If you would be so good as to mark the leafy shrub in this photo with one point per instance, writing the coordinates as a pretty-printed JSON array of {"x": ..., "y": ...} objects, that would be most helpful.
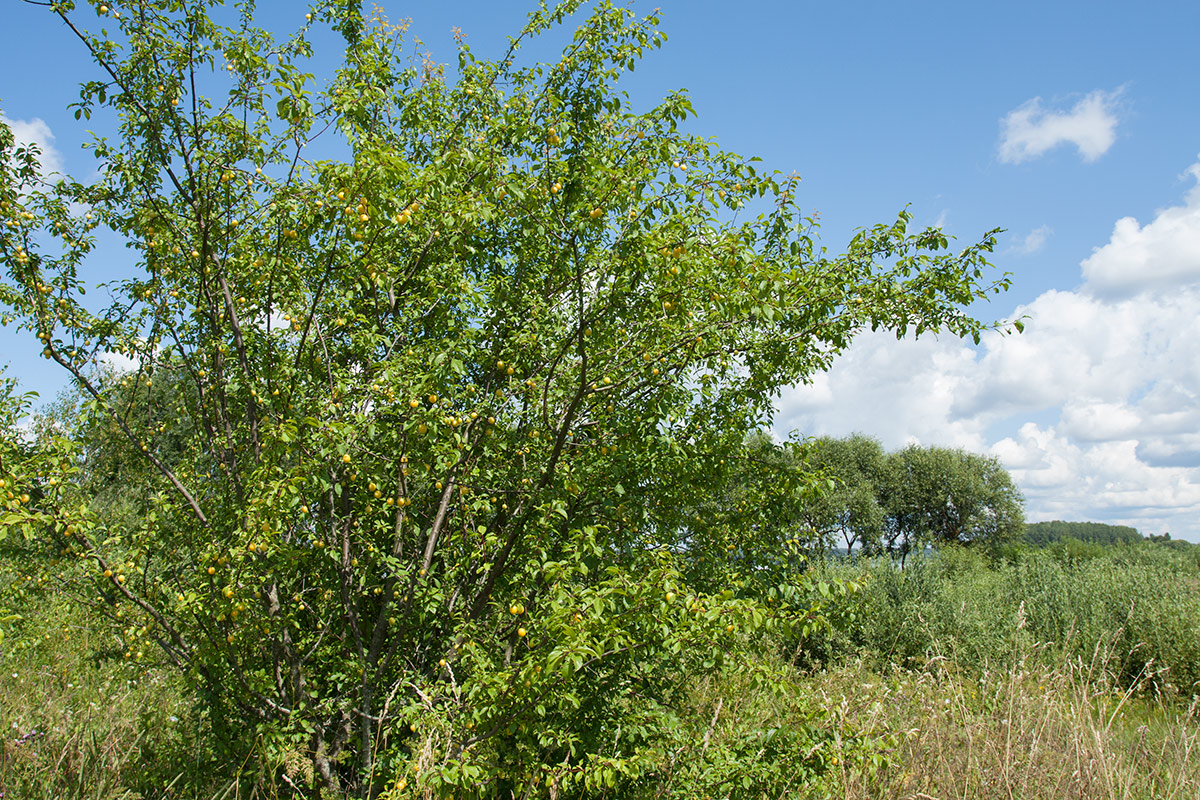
[{"x": 402, "y": 460}]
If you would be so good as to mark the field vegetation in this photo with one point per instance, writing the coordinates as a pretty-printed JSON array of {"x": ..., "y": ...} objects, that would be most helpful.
[
  {"x": 416, "y": 452},
  {"x": 1041, "y": 675}
]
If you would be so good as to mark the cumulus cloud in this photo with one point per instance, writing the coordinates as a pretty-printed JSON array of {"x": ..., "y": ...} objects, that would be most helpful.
[
  {"x": 897, "y": 391},
  {"x": 1034, "y": 241},
  {"x": 1095, "y": 409},
  {"x": 1031, "y": 130},
  {"x": 37, "y": 132},
  {"x": 1106, "y": 481},
  {"x": 1163, "y": 253}
]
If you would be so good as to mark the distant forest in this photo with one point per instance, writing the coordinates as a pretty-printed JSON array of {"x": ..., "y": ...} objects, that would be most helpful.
[{"x": 1044, "y": 534}]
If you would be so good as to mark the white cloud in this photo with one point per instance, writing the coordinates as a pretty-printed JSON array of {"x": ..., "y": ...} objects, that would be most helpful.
[
  {"x": 1107, "y": 481},
  {"x": 36, "y": 131},
  {"x": 1164, "y": 253},
  {"x": 1034, "y": 241},
  {"x": 117, "y": 362},
  {"x": 897, "y": 391},
  {"x": 1030, "y": 130},
  {"x": 1095, "y": 409}
]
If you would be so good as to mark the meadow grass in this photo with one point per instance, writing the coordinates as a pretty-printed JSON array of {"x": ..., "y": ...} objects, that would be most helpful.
[
  {"x": 79, "y": 721},
  {"x": 1139, "y": 606},
  {"x": 956, "y": 678},
  {"x": 1042, "y": 676},
  {"x": 1029, "y": 731}
]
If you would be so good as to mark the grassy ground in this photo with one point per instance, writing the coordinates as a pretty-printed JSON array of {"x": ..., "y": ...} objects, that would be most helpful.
[
  {"x": 78, "y": 730},
  {"x": 1139, "y": 606},
  {"x": 1025, "y": 732},
  {"x": 959, "y": 716},
  {"x": 77, "y": 723}
]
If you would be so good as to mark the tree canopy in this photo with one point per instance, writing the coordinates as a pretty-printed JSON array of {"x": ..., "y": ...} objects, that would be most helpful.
[
  {"x": 940, "y": 494},
  {"x": 425, "y": 367},
  {"x": 852, "y": 512},
  {"x": 895, "y": 502}
]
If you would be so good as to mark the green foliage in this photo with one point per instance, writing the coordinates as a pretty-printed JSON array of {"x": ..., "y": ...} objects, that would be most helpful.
[
  {"x": 1042, "y": 534},
  {"x": 747, "y": 533},
  {"x": 395, "y": 480},
  {"x": 940, "y": 495},
  {"x": 905, "y": 500},
  {"x": 1133, "y": 613},
  {"x": 80, "y": 720},
  {"x": 804, "y": 498},
  {"x": 853, "y": 512}
]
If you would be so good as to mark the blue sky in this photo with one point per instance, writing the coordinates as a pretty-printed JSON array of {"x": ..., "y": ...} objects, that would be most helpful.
[{"x": 1075, "y": 126}]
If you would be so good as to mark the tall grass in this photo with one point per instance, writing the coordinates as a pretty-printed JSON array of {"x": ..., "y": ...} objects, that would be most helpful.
[
  {"x": 1032, "y": 731},
  {"x": 1048, "y": 676},
  {"x": 77, "y": 724},
  {"x": 1139, "y": 606}
]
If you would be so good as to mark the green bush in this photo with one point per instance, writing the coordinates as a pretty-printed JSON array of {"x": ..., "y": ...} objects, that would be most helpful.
[{"x": 408, "y": 435}]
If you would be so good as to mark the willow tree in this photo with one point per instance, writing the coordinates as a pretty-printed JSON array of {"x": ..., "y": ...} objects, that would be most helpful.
[{"x": 424, "y": 362}]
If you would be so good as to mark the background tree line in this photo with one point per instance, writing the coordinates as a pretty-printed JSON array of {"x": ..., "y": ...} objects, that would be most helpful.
[
  {"x": 800, "y": 498},
  {"x": 860, "y": 498},
  {"x": 1044, "y": 534}
]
